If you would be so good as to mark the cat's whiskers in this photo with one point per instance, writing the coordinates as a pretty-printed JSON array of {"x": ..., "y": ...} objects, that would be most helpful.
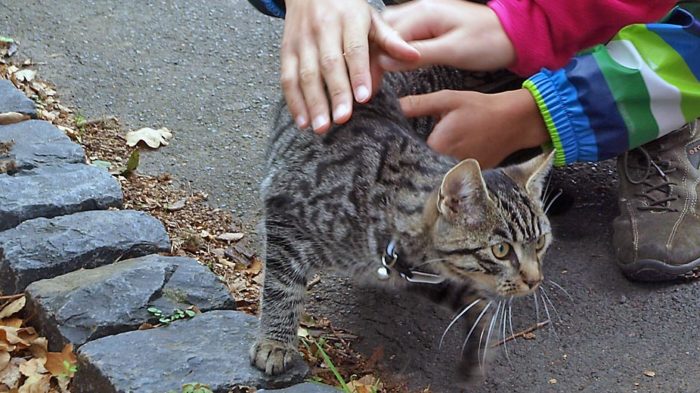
[
  {"x": 549, "y": 317},
  {"x": 557, "y": 285},
  {"x": 464, "y": 345},
  {"x": 478, "y": 351},
  {"x": 431, "y": 261},
  {"x": 494, "y": 318},
  {"x": 510, "y": 316},
  {"x": 537, "y": 308},
  {"x": 503, "y": 331},
  {"x": 455, "y": 319},
  {"x": 546, "y": 187},
  {"x": 556, "y": 312},
  {"x": 551, "y": 201}
]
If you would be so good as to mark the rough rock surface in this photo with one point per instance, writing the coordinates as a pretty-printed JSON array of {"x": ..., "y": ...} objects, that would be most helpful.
[
  {"x": 13, "y": 100},
  {"x": 303, "y": 388},
  {"x": 36, "y": 143},
  {"x": 91, "y": 303},
  {"x": 45, "y": 248},
  {"x": 211, "y": 348},
  {"x": 52, "y": 191}
]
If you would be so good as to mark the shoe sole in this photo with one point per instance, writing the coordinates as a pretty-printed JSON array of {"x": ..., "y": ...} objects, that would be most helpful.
[{"x": 652, "y": 270}]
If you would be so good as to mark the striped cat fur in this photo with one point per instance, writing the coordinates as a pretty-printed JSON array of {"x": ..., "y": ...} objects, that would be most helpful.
[{"x": 335, "y": 201}]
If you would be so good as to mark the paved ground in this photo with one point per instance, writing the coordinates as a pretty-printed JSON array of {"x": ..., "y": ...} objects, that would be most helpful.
[{"x": 208, "y": 71}]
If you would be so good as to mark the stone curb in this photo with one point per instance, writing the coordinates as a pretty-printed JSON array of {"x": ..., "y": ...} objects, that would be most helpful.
[
  {"x": 13, "y": 100},
  {"x": 56, "y": 190},
  {"x": 211, "y": 348},
  {"x": 92, "y": 303},
  {"x": 35, "y": 143},
  {"x": 45, "y": 248}
]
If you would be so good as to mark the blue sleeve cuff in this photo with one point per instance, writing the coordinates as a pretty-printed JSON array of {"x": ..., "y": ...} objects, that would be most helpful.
[
  {"x": 565, "y": 118},
  {"x": 274, "y": 8}
]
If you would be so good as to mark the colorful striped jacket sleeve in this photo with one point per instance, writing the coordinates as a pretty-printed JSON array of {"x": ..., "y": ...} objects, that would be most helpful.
[
  {"x": 270, "y": 7},
  {"x": 640, "y": 86}
]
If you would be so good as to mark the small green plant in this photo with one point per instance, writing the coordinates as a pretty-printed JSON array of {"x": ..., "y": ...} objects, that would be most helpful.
[
  {"x": 167, "y": 319},
  {"x": 307, "y": 340}
]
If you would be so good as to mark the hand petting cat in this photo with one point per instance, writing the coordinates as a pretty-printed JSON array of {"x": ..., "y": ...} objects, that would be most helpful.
[
  {"x": 486, "y": 127},
  {"x": 326, "y": 47}
]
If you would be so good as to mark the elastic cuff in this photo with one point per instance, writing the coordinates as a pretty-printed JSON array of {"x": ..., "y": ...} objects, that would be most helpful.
[
  {"x": 274, "y": 8},
  {"x": 555, "y": 118}
]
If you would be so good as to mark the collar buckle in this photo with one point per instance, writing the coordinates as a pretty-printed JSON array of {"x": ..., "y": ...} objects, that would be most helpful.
[{"x": 389, "y": 263}]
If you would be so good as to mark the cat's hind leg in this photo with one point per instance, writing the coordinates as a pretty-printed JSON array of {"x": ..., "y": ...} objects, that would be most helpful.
[{"x": 286, "y": 272}]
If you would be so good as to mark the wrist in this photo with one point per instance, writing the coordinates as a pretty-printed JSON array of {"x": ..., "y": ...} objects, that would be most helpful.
[
  {"x": 520, "y": 107},
  {"x": 501, "y": 48}
]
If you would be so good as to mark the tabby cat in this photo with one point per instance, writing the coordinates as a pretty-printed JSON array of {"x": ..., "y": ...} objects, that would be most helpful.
[{"x": 370, "y": 199}]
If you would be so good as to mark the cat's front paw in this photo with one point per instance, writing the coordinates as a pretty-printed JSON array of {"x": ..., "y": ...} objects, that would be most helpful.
[{"x": 271, "y": 356}]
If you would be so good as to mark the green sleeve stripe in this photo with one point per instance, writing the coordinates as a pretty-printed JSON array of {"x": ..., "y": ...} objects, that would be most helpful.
[
  {"x": 668, "y": 64},
  {"x": 629, "y": 90},
  {"x": 559, "y": 156}
]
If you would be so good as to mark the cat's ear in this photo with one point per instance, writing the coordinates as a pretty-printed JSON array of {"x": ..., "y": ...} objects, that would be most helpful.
[
  {"x": 463, "y": 192},
  {"x": 532, "y": 174}
]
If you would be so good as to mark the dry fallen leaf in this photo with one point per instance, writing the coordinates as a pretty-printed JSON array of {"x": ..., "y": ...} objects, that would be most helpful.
[
  {"x": 61, "y": 364},
  {"x": 152, "y": 138},
  {"x": 366, "y": 384},
  {"x": 37, "y": 383},
  {"x": 13, "y": 307},
  {"x": 32, "y": 367},
  {"x": 25, "y": 75},
  {"x": 12, "y": 117},
  {"x": 230, "y": 237},
  {"x": 649, "y": 373},
  {"x": 4, "y": 359}
]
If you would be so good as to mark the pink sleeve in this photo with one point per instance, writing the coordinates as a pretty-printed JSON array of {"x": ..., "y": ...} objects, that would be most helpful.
[{"x": 547, "y": 33}]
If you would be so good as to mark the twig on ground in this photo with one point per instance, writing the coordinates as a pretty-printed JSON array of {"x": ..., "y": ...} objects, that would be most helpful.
[
  {"x": 531, "y": 329},
  {"x": 313, "y": 282},
  {"x": 11, "y": 297}
]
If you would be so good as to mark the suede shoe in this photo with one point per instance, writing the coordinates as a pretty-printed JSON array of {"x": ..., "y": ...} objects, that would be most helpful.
[{"x": 657, "y": 234}]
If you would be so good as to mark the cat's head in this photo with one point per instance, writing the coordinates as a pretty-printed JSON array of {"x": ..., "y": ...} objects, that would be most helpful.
[{"x": 490, "y": 227}]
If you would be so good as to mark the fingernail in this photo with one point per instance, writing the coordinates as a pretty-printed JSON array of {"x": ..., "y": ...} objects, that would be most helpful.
[
  {"x": 319, "y": 121},
  {"x": 362, "y": 94},
  {"x": 301, "y": 121},
  {"x": 340, "y": 111}
]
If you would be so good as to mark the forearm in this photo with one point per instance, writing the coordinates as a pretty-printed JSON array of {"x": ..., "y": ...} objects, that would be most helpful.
[
  {"x": 639, "y": 87},
  {"x": 548, "y": 33}
]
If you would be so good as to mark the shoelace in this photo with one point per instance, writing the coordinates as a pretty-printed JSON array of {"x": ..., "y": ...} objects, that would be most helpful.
[{"x": 655, "y": 167}]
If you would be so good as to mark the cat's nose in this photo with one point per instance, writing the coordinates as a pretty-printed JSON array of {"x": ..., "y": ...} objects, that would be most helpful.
[{"x": 531, "y": 282}]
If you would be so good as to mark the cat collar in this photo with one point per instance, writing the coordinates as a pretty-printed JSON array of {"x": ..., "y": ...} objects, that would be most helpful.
[{"x": 391, "y": 261}]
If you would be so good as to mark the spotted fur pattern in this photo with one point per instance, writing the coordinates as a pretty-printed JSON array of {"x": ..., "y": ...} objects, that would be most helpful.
[{"x": 334, "y": 202}]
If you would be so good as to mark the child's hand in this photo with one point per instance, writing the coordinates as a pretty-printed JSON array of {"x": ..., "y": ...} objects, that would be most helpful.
[
  {"x": 450, "y": 32},
  {"x": 486, "y": 127},
  {"x": 326, "y": 48}
]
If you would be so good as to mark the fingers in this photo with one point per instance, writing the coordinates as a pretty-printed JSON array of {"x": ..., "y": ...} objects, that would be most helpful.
[
  {"x": 433, "y": 104},
  {"x": 289, "y": 78},
  {"x": 390, "y": 41},
  {"x": 312, "y": 88},
  {"x": 356, "y": 49},
  {"x": 335, "y": 74}
]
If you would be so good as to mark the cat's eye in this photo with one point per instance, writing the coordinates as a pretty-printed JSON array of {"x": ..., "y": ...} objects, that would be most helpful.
[
  {"x": 500, "y": 250},
  {"x": 541, "y": 241}
]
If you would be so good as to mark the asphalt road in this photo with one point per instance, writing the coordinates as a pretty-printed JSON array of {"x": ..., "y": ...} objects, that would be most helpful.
[{"x": 208, "y": 71}]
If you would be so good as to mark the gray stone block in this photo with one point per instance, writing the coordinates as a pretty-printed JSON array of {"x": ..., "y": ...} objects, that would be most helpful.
[
  {"x": 46, "y": 248},
  {"x": 51, "y": 191},
  {"x": 211, "y": 348},
  {"x": 304, "y": 388},
  {"x": 91, "y": 303},
  {"x": 36, "y": 143},
  {"x": 13, "y": 100}
]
